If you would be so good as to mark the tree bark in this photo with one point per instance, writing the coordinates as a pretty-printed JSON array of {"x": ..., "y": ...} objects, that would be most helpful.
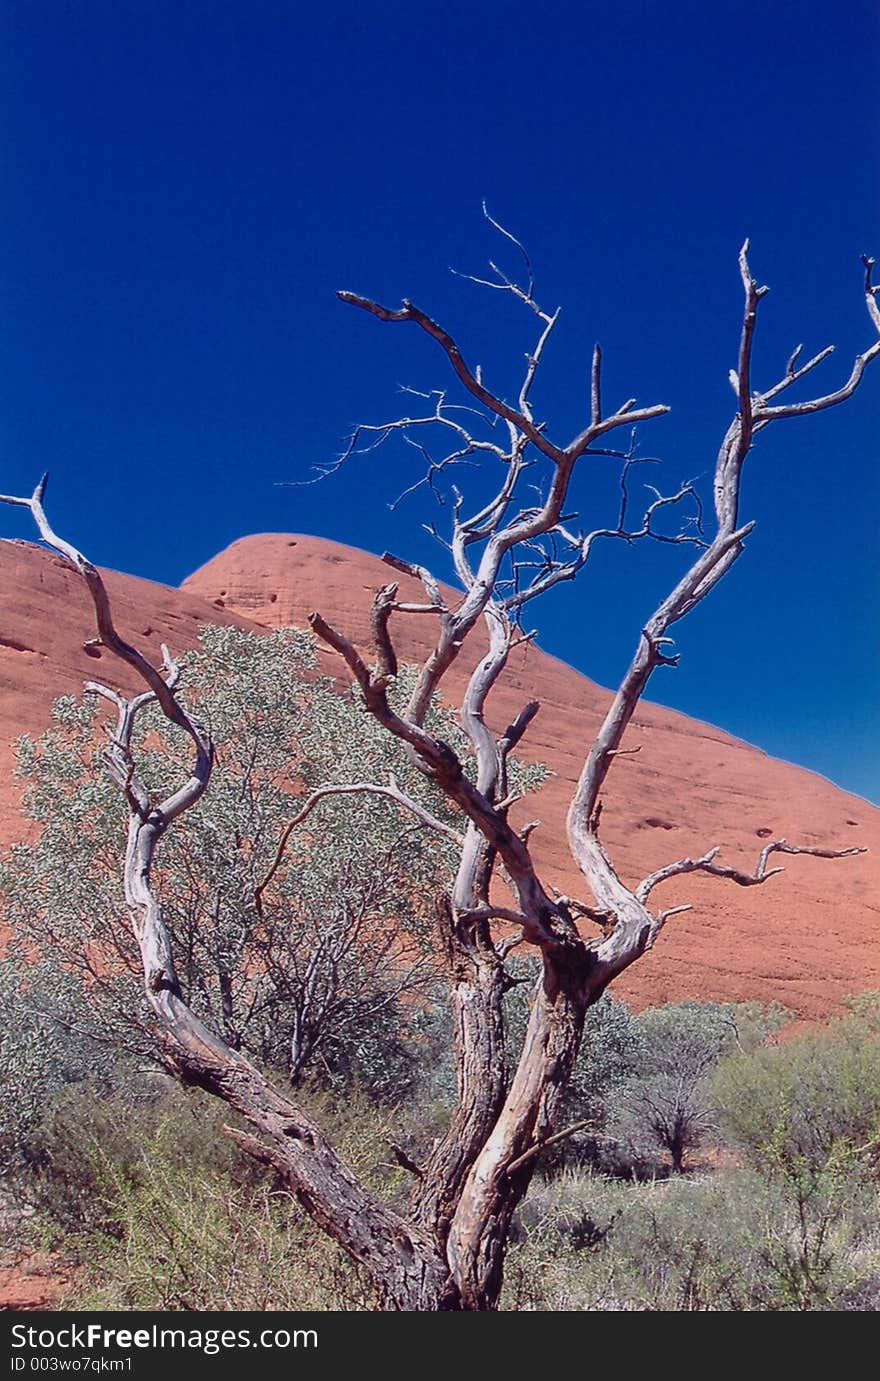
[
  {"x": 476, "y": 992},
  {"x": 492, "y": 1192}
]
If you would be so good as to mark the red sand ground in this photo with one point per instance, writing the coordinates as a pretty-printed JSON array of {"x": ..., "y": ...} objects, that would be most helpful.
[{"x": 32, "y": 1281}]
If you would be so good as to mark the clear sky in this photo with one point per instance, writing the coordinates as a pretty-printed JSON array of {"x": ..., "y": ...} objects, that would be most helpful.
[{"x": 184, "y": 186}]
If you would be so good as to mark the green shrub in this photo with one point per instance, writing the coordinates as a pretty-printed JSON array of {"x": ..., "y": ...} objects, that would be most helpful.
[
  {"x": 661, "y": 1110},
  {"x": 730, "y": 1241},
  {"x": 92, "y": 1138},
  {"x": 806, "y": 1106},
  {"x": 191, "y": 1239}
]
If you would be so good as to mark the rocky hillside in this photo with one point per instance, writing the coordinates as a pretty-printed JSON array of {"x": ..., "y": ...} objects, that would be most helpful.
[{"x": 806, "y": 938}]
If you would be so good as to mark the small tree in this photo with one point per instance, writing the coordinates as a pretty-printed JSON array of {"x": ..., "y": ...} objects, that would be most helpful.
[
  {"x": 446, "y": 1250},
  {"x": 297, "y": 966},
  {"x": 669, "y": 1106}
]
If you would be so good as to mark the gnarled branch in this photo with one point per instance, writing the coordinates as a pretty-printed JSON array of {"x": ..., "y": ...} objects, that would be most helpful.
[{"x": 707, "y": 864}]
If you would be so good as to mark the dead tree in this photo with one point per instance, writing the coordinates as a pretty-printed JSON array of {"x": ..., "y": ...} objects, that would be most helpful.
[{"x": 446, "y": 1252}]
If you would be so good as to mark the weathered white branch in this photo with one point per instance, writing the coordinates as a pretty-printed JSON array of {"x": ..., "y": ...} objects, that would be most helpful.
[
  {"x": 707, "y": 864},
  {"x": 431, "y": 584},
  {"x": 108, "y": 635},
  {"x": 765, "y": 415},
  {"x": 502, "y": 283},
  {"x": 490, "y": 912},
  {"x": 410, "y": 312},
  {"x": 792, "y": 375},
  {"x": 637, "y": 927},
  {"x": 391, "y": 791},
  {"x": 871, "y": 292},
  {"x": 558, "y": 572}
]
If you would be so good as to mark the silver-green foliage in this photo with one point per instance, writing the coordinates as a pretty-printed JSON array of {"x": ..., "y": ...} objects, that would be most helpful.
[{"x": 327, "y": 974}]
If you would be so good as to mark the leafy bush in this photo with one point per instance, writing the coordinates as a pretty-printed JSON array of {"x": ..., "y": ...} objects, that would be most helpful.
[
  {"x": 44, "y": 1049},
  {"x": 319, "y": 973},
  {"x": 153, "y": 1207},
  {"x": 62, "y": 1170},
  {"x": 804, "y": 1107}
]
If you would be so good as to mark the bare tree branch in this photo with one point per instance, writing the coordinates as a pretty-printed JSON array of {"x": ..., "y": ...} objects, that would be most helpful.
[
  {"x": 490, "y": 912},
  {"x": 432, "y": 586},
  {"x": 707, "y": 864},
  {"x": 871, "y": 292},
  {"x": 518, "y": 418},
  {"x": 765, "y": 415},
  {"x": 410, "y": 312},
  {"x": 586, "y": 1124},
  {"x": 104, "y": 618},
  {"x": 637, "y": 928},
  {"x": 391, "y": 791},
  {"x": 596, "y": 386}
]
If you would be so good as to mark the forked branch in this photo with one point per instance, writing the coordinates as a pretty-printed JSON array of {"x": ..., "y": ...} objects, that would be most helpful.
[
  {"x": 707, "y": 864},
  {"x": 626, "y": 415},
  {"x": 637, "y": 927},
  {"x": 107, "y": 632}
]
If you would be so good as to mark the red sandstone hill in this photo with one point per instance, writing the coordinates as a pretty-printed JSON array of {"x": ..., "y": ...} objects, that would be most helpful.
[
  {"x": 806, "y": 938},
  {"x": 45, "y": 618}
]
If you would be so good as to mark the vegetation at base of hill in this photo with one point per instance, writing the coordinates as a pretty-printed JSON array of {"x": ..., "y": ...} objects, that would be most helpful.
[{"x": 776, "y": 1208}]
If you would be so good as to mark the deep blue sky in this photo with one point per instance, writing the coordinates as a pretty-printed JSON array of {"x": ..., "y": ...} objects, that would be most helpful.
[{"x": 184, "y": 186}]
